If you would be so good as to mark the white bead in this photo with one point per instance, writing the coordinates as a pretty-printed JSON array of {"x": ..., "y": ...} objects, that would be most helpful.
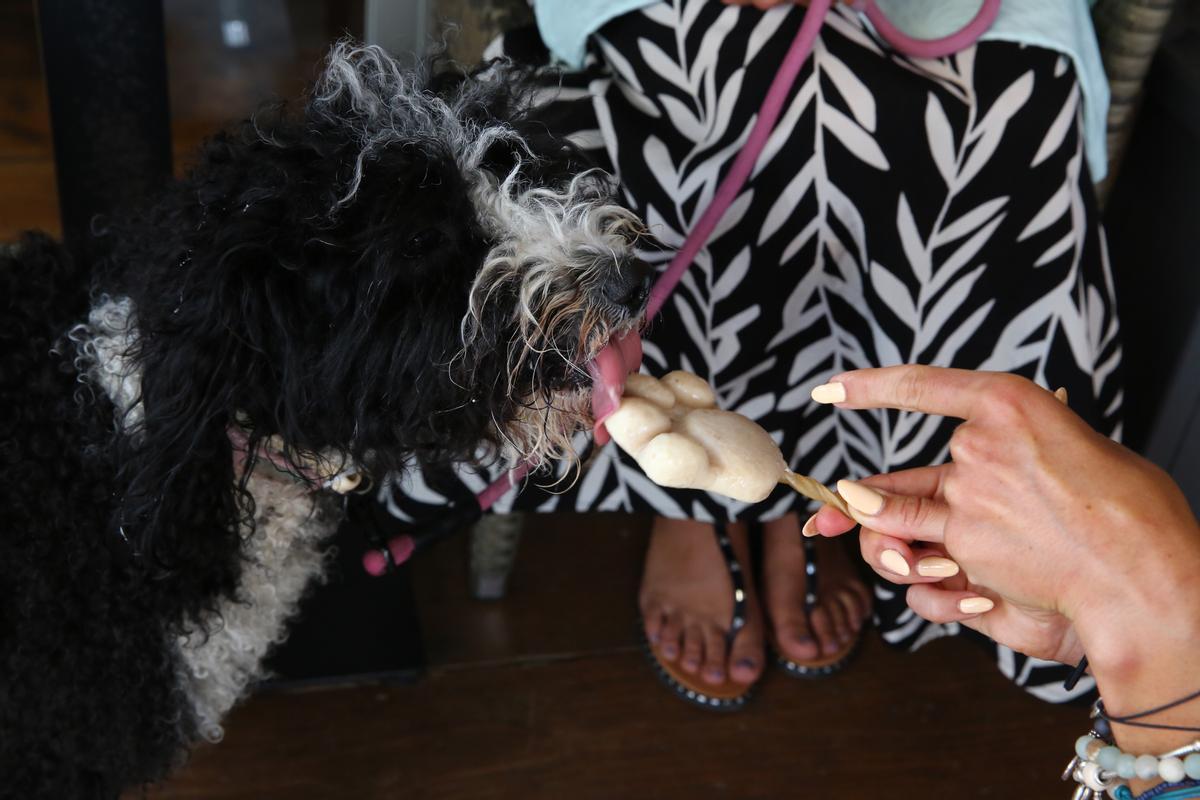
[
  {"x": 1125, "y": 766},
  {"x": 1146, "y": 767},
  {"x": 346, "y": 482},
  {"x": 1191, "y": 765},
  {"x": 1091, "y": 776},
  {"x": 1171, "y": 770}
]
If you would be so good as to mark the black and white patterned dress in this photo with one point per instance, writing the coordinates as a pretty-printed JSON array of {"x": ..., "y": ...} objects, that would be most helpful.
[{"x": 904, "y": 210}]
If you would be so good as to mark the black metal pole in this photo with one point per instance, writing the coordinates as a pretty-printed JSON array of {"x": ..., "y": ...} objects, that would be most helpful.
[{"x": 106, "y": 77}]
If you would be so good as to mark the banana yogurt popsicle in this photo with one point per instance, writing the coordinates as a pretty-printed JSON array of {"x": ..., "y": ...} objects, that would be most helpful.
[{"x": 680, "y": 439}]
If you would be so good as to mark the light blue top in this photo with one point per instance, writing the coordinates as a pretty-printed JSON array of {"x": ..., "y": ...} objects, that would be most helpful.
[{"x": 1062, "y": 25}]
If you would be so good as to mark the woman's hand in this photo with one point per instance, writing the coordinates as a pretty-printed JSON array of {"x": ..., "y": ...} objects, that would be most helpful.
[
  {"x": 1080, "y": 544},
  {"x": 939, "y": 590}
]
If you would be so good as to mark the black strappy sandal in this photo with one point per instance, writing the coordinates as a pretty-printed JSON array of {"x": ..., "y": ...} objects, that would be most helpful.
[
  {"x": 727, "y": 696},
  {"x": 821, "y": 666}
]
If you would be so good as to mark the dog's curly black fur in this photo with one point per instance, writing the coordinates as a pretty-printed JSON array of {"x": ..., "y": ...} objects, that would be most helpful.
[
  {"x": 408, "y": 269},
  {"x": 81, "y": 660}
]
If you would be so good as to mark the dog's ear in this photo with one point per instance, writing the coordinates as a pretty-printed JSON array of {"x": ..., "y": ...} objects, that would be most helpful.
[{"x": 183, "y": 506}]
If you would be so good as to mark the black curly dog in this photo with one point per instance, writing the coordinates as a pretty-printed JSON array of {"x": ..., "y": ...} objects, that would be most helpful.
[{"x": 408, "y": 269}]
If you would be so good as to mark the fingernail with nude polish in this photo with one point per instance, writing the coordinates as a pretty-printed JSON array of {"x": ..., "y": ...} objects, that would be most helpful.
[
  {"x": 810, "y": 527},
  {"x": 894, "y": 562},
  {"x": 860, "y": 498},
  {"x": 975, "y": 605},
  {"x": 828, "y": 393},
  {"x": 936, "y": 567}
]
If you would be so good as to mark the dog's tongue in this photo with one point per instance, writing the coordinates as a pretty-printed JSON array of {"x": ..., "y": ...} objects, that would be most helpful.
[{"x": 609, "y": 368}]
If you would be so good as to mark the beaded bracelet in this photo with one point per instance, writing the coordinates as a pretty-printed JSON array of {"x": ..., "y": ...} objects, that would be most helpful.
[
  {"x": 1099, "y": 762},
  {"x": 1100, "y": 766}
]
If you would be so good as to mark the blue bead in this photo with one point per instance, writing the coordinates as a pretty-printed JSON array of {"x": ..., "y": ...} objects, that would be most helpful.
[
  {"x": 1081, "y": 745},
  {"x": 1125, "y": 766},
  {"x": 1100, "y": 725},
  {"x": 1191, "y": 765},
  {"x": 1107, "y": 757}
]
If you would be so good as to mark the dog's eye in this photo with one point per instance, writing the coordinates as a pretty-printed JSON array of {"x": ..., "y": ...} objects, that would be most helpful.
[{"x": 423, "y": 243}]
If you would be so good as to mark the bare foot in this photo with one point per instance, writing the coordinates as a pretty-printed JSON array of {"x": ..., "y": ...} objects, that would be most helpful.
[
  {"x": 844, "y": 601},
  {"x": 687, "y": 602}
]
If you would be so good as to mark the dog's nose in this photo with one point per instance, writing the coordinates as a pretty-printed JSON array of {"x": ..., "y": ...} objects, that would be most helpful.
[{"x": 629, "y": 285}]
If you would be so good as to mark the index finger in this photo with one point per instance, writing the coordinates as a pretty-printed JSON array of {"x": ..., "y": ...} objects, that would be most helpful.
[{"x": 931, "y": 390}]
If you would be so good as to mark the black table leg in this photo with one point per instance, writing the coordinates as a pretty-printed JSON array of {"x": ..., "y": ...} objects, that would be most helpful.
[{"x": 106, "y": 78}]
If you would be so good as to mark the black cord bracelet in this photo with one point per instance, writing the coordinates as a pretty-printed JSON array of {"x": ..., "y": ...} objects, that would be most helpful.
[{"x": 1135, "y": 720}]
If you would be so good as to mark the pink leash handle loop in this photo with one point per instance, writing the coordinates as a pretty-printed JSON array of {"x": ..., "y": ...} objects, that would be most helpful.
[{"x": 932, "y": 48}]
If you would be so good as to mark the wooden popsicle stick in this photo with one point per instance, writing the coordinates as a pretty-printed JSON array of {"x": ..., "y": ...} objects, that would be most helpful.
[{"x": 815, "y": 490}]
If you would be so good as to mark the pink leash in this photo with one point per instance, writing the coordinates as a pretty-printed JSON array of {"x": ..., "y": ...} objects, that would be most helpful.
[
  {"x": 400, "y": 548},
  {"x": 733, "y": 182}
]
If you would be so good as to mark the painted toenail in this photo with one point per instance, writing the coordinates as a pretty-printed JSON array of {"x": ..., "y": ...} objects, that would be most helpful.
[
  {"x": 802, "y": 638},
  {"x": 746, "y": 663}
]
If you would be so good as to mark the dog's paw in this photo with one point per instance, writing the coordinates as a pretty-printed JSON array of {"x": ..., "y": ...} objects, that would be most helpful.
[{"x": 679, "y": 438}]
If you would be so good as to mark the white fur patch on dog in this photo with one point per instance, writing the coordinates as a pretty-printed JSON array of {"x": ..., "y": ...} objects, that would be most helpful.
[
  {"x": 283, "y": 558},
  {"x": 392, "y": 107},
  {"x": 103, "y": 345},
  {"x": 224, "y": 654}
]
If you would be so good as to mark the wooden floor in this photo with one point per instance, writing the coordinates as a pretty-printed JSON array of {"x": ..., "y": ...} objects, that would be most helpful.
[{"x": 546, "y": 694}]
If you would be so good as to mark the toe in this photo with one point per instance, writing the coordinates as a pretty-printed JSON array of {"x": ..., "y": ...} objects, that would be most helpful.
[
  {"x": 854, "y": 609},
  {"x": 746, "y": 658},
  {"x": 669, "y": 636},
  {"x": 693, "y": 649},
  {"x": 824, "y": 630},
  {"x": 796, "y": 640},
  {"x": 841, "y": 619},
  {"x": 652, "y": 624},
  {"x": 714, "y": 657}
]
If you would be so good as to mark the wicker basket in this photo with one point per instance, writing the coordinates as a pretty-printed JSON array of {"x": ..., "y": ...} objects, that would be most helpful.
[{"x": 1129, "y": 32}]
